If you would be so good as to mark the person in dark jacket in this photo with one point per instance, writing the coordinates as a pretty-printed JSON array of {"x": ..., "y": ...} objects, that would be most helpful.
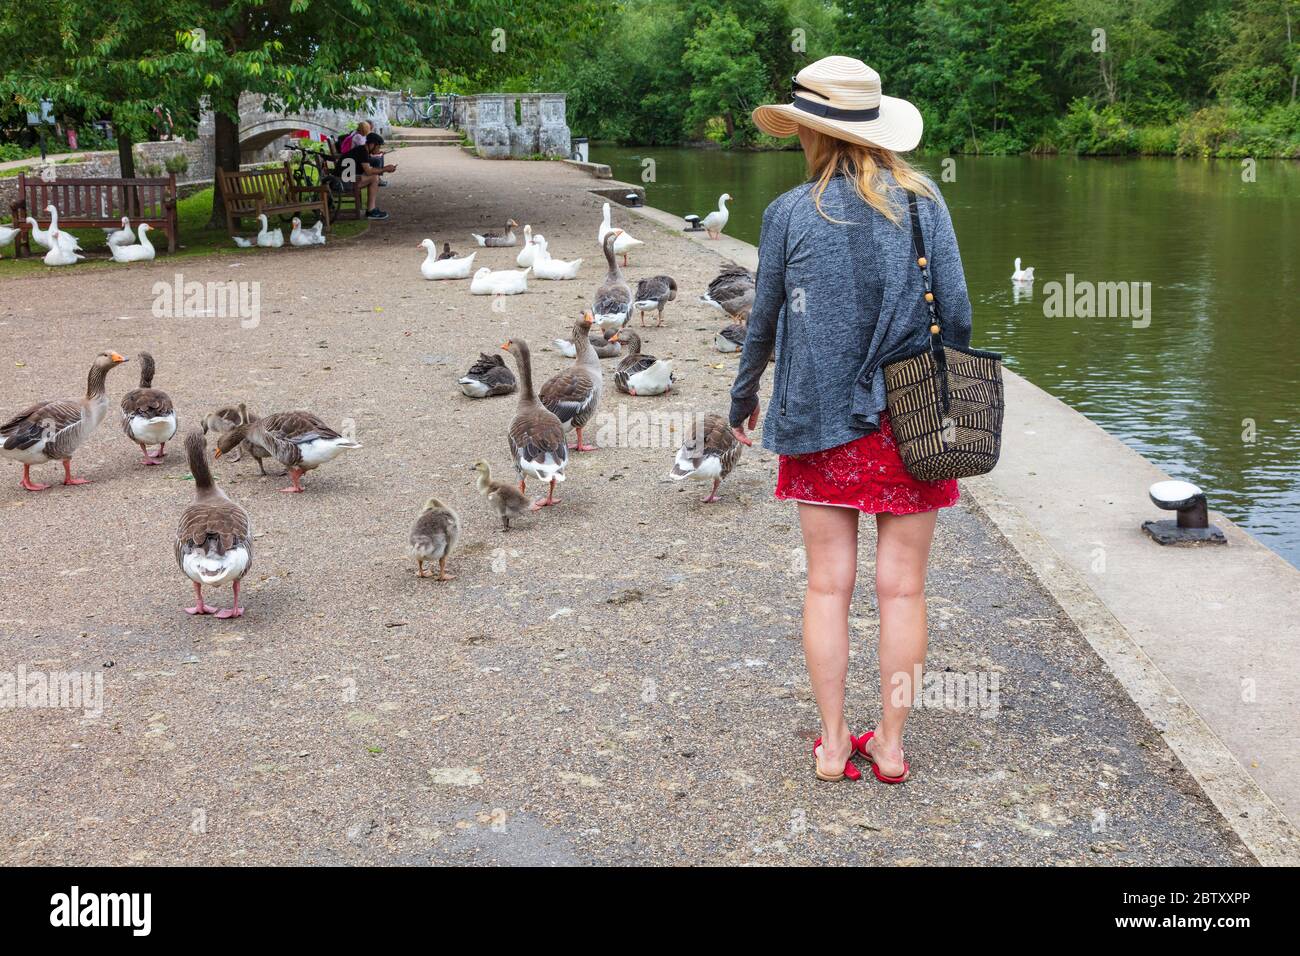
[
  {"x": 356, "y": 171},
  {"x": 838, "y": 295}
]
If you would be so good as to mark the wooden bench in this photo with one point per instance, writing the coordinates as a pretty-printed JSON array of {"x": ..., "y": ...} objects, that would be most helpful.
[
  {"x": 267, "y": 192},
  {"x": 90, "y": 203}
]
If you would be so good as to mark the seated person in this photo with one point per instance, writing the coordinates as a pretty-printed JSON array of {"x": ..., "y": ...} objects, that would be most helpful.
[
  {"x": 358, "y": 173},
  {"x": 356, "y": 137}
]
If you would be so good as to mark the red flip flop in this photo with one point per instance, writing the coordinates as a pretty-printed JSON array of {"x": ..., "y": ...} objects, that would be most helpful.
[
  {"x": 862, "y": 749},
  {"x": 850, "y": 772}
]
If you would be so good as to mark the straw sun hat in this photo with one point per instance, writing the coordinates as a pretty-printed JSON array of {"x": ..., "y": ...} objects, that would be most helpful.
[{"x": 841, "y": 97}]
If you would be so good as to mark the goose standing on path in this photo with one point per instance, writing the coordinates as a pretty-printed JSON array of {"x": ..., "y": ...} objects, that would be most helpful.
[
  {"x": 433, "y": 538},
  {"x": 298, "y": 440},
  {"x": 497, "y": 240},
  {"x": 537, "y": 443},
  {"x": 148, "y": 416},
  {"x": 709, "y": 452},
  {"x": 612, "y": 305},
  {"x": 54, "y": 430},
  {"x": 653, "y": 294},
  {"x": 640, "y": 374},
  {"x": 506, "y": 501},
  {"x": 268, "y": 239},
  {"x": 623, "y": 244},
  {"x": 732, "y": 292},
  {"x": 214, "y": 542},
  {"x": 487, "y": 377},
  {"x": 574, "y": 395},
  {"x": 120, "y": 237},
  {"x": 1022, "y": 276},
  {"x": 716, "y": 221},
  {"x": 141, "y": 252},
  {"x": 443, "y": 267}
]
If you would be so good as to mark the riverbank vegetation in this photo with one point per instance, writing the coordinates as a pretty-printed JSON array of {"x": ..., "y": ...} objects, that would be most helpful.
[{"x": 1157, "y": 77}]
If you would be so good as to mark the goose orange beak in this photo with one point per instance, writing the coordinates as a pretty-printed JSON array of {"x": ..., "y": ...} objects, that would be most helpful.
[
  {"x": 614, "y": 337},
  {"x": 118, "y": 358},
  {"x": 506, "y": 345},
  {"x": 216, "y": 454}
]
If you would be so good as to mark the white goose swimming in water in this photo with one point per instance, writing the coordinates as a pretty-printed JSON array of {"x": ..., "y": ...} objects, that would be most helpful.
[{"x": 1023, "y": 276}]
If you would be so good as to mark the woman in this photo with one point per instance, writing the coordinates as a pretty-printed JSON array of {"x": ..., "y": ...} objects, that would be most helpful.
[{"x": 839, "y": 294}]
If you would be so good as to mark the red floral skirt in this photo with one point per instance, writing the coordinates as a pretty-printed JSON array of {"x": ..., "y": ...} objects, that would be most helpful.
[{"x": 866, "y": 473}]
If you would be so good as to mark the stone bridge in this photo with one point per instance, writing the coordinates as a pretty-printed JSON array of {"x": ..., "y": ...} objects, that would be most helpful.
[{"x": 261, "y": 130}]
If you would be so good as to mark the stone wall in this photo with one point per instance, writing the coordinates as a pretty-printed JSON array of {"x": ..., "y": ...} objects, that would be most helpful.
[{"x": 515, "y": 125}]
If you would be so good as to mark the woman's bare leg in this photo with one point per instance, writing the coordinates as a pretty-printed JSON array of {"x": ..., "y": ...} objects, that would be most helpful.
[
  {"x": 830, "y": 538},
  {"x": 902, "y": 554}
]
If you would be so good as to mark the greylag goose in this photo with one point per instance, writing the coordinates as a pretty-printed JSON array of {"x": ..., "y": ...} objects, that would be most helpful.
[
  {"x": 298, "y": 440},
  {"x": 612, "y": 304},
  {"x": 498, "y": 239},
  {"x": 537, "y": 444},
  {"x": 709, "y": 452},
  {"x": 148, "y": 416},
  {"x": 487, "y": 377},
  {"x": 505, "y": 500},
  {"x": 574, "y": 394},
  {"x": 640, "y": 374},
  {"x": 605, "y": 344},
  {"x": 54, "y": 430},
  {"x": 731, "y": 338},
  {"x": 653, "y": 294},
  {"x": 214, "y": 543},
  {"x": 221, "y": 421},
  {"x": 732, "y": 292},
  {"x": 433, "y": 538}
]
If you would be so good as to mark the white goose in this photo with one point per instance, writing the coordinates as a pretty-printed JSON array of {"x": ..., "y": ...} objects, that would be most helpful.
[
  {"x": 623, "y": 244},
  {"x": 434, "y": 268},
  {"x": 544, "y": 267},
  {"x": 716, "y": 221},
  {"x": 66, "y": 238},
  {"x": 60, "y": 254},
  {"x": 1022, "y": 276},
  {"x": 43, "y": 237},
  {"x": 315, "y": 236},
  {"x": 528, "y": 254},
  {"x": 8, "y": 234},
  {"x": 503, "y": 282},
  {"x": 142, "y": 252},
  {"x": 269, "y": 240},
  {"x": 120, "y": 237},
  {"x": 243, "y": 243}
]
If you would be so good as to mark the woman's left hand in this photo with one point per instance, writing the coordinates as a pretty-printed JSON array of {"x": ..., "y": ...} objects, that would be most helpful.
[{"x": 739, "y": 430}]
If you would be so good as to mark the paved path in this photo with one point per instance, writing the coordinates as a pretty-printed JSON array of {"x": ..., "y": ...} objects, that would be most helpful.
[{"x": 618, "y": 680}]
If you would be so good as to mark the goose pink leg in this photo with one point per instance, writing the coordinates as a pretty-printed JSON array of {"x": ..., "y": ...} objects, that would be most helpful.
[
  {"x": 550, "y": 499},
  {"x": 148, "y": 458},
  {"x": 295, "y": 475},
  {"x": 235, "y": 611},
  {"x": 582, "y": 447},
  {"x": 67, "y": 474},
  {"x": 27, "y": 480},
  {"x": 713, "y": 495},
  {"x": 199, "y": 606}
]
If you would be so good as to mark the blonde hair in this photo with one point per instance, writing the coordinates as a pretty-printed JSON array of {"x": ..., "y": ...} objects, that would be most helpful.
[{"x": 861, "y": 165}]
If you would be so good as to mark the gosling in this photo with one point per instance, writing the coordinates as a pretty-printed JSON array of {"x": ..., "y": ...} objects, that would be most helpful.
[
  {"x": 433, "y": 538},
  {"x": 505, "y": 500}
]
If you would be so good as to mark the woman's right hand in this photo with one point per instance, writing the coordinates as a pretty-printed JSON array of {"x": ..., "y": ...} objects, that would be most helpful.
[{"x": 739, "y": 430}]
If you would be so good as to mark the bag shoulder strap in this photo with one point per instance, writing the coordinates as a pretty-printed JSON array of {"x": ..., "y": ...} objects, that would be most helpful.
[{"x": 923, "y": 263}]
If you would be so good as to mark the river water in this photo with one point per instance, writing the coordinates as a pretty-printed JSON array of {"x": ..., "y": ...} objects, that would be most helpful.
[{"x": 1207, "y": 385}]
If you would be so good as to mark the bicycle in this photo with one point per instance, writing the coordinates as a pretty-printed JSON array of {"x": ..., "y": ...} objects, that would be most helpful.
[
  {"x": 313, "y": 169},
  {"x": 416, "y": 112}
]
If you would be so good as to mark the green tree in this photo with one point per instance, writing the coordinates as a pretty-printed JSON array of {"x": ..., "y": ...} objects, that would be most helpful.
[{"x": 728, "y": 77}]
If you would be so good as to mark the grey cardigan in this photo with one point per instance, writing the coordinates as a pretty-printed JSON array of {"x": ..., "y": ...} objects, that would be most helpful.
[{"x": 838, "y": 301}]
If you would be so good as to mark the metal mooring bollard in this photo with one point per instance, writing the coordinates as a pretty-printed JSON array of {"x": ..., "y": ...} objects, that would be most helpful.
[{"x": 1193, "y": 523}]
